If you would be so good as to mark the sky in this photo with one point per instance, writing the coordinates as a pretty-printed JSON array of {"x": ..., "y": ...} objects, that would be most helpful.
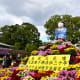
[{"x": 36, "y": 12}]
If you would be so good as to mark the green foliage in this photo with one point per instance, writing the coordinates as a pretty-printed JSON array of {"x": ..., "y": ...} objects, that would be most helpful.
[
  {"x": 71, "y": 23},
  {"x": 22, "y": 73},
  {"x": 30, "y": 47},
  {"x": 71, "y": 51},
  {"x": 17, "y": 45},
  {"x": 20, "y": 35}
]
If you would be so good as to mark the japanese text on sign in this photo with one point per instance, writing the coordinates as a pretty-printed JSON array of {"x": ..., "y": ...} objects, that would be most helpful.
[{"x": 52, "y": 62}]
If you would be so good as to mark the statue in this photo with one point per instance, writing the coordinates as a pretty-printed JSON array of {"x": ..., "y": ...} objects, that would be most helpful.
[{"x": 60, "y": 32}]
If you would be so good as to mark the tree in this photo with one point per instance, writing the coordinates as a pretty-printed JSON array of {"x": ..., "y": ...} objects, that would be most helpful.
[
  {"x": 71, "y": 23},
  {"x": 20, "y": 35},
  {"x": 18, "y": 45},
  {"x": 8, "y": 33},
  {"x": 30, "y": 47}
]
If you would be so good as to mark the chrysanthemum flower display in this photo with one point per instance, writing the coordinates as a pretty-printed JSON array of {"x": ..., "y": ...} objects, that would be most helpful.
[
  {"x": 69, "y": 75},
  {"x": 34, "y": 52},
  {"x": 19, "y": 71}
]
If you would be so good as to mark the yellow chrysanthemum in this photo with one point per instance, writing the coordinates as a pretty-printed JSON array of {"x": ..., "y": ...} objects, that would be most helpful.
[
  {"x": 54, "y": 75},
  {"x": 78, "y": 74},
  {"x": 77, "y": 56},
  {"x": 21, "y": 68},
  {"x": 4, "y": 69},
  {"x": 43, "y": 78},
  {"x": 34, "y": 52},
  {"x": 53, "y": 47},
  {"x": 55, "y": 52},
  {"x": 25, "y": 58},
  {"x": 22, "y": 62},
  {"x": 7, "y": 73},
  {"x": 67, "y": 49},
  {"x": 2, "y": 78},
  {"x": 0, "y": 59},
  {"x": 76, "y": 66},
  {"x": 41, "y": 71}
]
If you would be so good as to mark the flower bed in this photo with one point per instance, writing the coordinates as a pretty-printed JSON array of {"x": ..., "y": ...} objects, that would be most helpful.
[
  {"x": 72, "y": 72},
  {"x": 23, "y": 74}
]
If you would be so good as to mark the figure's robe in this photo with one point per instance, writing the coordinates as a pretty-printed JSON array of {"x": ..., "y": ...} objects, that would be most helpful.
[{"x": 61, "y": 34}]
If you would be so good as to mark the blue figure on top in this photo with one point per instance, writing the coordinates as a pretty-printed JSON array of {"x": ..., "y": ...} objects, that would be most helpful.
[{"x": 60, "y": 32}]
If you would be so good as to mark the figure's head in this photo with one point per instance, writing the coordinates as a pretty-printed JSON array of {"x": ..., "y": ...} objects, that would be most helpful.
[{"x": 60, "y": 24}]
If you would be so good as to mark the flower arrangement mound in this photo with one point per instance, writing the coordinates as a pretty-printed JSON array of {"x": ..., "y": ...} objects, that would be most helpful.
[
  {"x": 72, "y": 72},
  {"x": 18, "y": 74}
]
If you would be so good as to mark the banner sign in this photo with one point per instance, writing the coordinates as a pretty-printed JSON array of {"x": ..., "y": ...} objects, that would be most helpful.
[{"x": 51, "y": 62}]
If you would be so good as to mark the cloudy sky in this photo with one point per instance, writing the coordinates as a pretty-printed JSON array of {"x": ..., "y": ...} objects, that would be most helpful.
[{"x": 36, "y": 12}]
